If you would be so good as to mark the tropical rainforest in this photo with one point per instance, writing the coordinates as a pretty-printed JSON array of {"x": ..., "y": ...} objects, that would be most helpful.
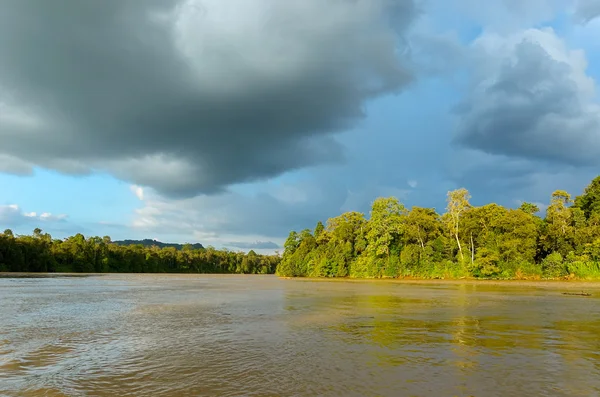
[
  {"x": 40, "y": 253},
  {"x": 489, "y": 241}
]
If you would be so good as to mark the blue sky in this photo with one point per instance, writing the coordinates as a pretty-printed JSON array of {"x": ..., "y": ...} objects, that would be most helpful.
[{"x": 231, "y": 123}]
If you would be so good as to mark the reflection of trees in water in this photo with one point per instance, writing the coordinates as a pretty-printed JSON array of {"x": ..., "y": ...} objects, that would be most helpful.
[
  {"x": 461, "y": 323},
  {"x": 465, "y": 330},
  {"x": 469, "y": 327},
  {"x": 475, "y": 339},
  {"x": 576, "y": 346}
]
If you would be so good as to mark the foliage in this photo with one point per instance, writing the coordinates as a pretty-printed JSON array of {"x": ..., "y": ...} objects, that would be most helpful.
[
  {"x": 553, "y": 265},
  {"x": 40, "y": 253},
  {"x": 589, "y": 201},
  {"x": 489, "y": 241}
]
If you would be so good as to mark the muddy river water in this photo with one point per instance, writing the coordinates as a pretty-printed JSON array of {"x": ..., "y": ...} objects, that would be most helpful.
[{"x": 182, "y": 335}]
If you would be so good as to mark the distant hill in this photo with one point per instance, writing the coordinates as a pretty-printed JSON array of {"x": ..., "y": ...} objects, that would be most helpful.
[{"x": 150, "y": 243}]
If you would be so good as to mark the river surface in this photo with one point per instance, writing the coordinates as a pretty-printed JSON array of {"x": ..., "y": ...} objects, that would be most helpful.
[{"x": 156, "y": 335}]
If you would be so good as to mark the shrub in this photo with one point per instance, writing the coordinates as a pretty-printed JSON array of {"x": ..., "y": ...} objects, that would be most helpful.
[
  {"x": 584, "y": 270},
  {"x": 554, "y": 266},
  {"x": 526, "y": 270}
]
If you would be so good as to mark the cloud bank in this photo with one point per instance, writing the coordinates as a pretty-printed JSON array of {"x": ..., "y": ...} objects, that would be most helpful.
[
  {"x": 191, "y": 96},
  {"x": 531, "y": 98}
]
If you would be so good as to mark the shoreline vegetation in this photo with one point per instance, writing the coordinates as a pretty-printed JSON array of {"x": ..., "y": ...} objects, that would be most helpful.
[
  {"x": 467, "y": 242},
  {"x": 574, "y": 286},
  {"x": 40, "y": 253}
]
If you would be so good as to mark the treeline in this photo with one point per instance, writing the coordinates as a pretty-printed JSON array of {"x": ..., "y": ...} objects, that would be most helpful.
[
  {"x": 466, "y": 241},
  {"x": 40, "y": 253}
]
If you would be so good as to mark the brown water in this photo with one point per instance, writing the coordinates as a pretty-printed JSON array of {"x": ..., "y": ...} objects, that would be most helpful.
[{"x": 150, "y": 335}]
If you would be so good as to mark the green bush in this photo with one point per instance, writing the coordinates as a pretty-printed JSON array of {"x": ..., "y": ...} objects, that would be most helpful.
[
  {"x": 554, "y": 266},
  {"x": 447, "y": 269},
  {"x": 584, "y": 270},
  {"x": 486, "y": 263},
  {"x": 528, "y": 269}
]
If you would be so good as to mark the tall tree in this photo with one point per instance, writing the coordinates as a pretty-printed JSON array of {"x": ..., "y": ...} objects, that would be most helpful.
[
  {"x": 559, "y": 218},
  {"x": 458, "y": 204},
  {"x": 385, "y": 225},
  {"x": 422, "y": 226}
]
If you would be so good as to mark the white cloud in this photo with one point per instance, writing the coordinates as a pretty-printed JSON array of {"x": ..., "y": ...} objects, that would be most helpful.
[
  {"x": 242, "y": 218},
  {"x": 138, "y": 191},
  {"x": 13, "y": 216}
]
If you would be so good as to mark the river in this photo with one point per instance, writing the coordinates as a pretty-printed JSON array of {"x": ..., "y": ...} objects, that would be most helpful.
[{"x": 187, "y": 335}]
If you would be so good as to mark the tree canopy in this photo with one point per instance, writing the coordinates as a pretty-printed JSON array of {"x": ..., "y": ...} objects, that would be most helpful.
[
  {"x": 40, "y": 253},
  {"x": 488, "y": 241}
]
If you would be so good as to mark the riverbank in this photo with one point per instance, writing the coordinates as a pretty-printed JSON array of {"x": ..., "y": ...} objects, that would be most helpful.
[
  {"x": 570, "y": 284},
  {"x": 46, "y": 275},
  {"x": 59, "y": 275},
  {"x": 558, "y": 283}
]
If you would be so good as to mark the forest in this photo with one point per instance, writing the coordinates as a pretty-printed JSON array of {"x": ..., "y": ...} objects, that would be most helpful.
[
  {"x": 40, "y": 253},
  {"x": 466, "y": 241}
]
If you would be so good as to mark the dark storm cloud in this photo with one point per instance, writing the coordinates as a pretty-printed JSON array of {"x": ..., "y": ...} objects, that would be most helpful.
[
  {"x": 191, "y": 96},
  {"x": 15, "y": 166},
  {"x": 587, "y": 10},
  {"x": 538, "y": 104}
]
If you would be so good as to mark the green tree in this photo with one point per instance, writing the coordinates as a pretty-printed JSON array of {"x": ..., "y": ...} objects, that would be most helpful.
[
  {"x": 386, "y": 225},
  {"x": 559, "y": 220},
  {"x": 529, "y": 208},
  {"x": 589, "y": 201},
  {"x": 319, "y": 229},
  {"x": 40, "y": 253},
  {"x": 458, "y": 204}
]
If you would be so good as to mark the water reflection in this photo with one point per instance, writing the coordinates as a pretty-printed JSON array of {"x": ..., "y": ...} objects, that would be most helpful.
[
  {"x": 240, "y": 335},
  {"x": 490, "y": 341}
]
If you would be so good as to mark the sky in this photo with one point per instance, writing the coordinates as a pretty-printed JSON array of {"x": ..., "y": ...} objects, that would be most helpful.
[{"x": 232, "y": 122}]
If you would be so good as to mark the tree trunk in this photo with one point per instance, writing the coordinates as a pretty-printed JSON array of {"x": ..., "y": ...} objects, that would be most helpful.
[
  {"x": 472, "y": 250},
  {"x": 459, "y": 247},
  {"x": 420, "y": 239}
]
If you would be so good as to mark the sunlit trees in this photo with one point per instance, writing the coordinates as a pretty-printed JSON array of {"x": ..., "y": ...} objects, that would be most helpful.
[
  {"x": 466, "y": 241},
  {"x": 529, "y": 208},
  {"x": 458, "y": 204},
  {"x": 589, "y": 201},
  {"x": 386, "y": 225},
  {"x": 422, "y": 226},
  {"x": 486, "y": 241},
  {"x": 559, "y": 217}
]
